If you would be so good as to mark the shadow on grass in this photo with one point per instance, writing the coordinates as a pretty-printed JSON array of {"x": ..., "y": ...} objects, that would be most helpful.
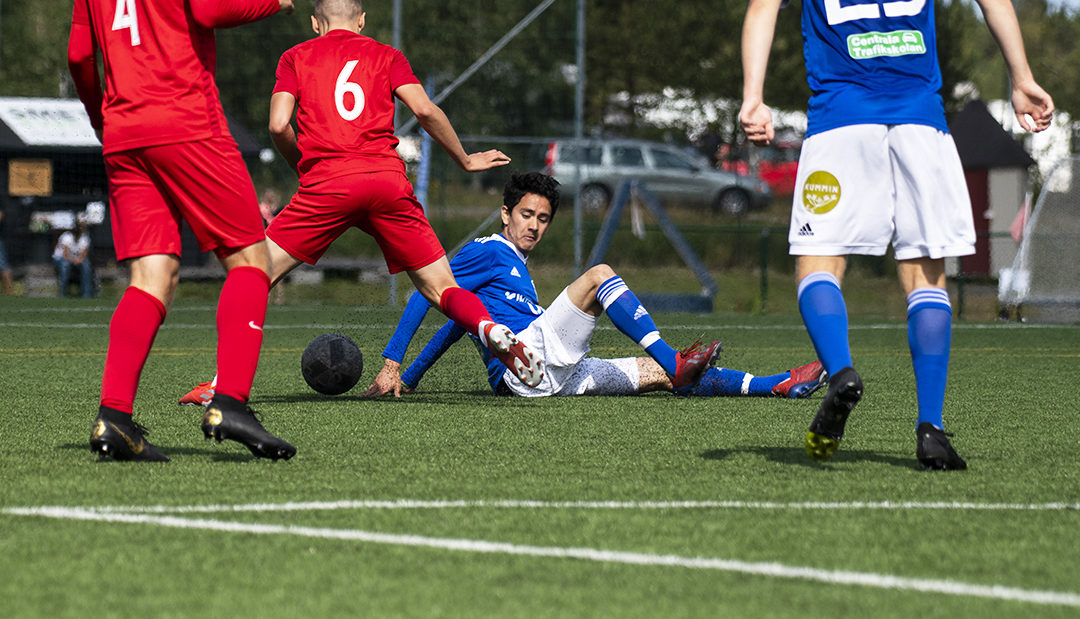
[
  {"x": 215, "y": 454},
  {"x": 426, "y": 398},
  {"x": 797, "y": 456}
]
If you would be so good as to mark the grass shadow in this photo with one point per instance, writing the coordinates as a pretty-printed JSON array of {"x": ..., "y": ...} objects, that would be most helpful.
[
  {"x": 797, "y": 456},
  {"x": 217, "y": 455}
]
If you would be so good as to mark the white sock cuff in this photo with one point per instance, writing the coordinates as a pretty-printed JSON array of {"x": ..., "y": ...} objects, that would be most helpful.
[
  {"x": 745, "y": 389},
  {"x": 817, "y": 277},
  {"x": 928, "y": 296},
  {"x": 650, "y": 338},
  {"x": 610, "y": 290}
]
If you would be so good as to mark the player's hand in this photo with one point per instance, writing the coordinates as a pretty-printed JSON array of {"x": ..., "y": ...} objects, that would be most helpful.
[
  {"x": 486, "y": 160},
  {"x": 286, "y": 6},
  {"x": 388, "y": 380},
  {"x": 756, "y": 120},
  {"x": 1029, "y": 100}
]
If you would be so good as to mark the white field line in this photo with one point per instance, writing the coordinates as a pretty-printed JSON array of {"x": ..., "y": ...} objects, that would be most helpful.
[
  {"x": 777, "y": 570},
  {"x": 529, "y": 504}
]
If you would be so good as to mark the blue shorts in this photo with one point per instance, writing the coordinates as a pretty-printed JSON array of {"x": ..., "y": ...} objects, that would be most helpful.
[{"x": 4, "y": 266}]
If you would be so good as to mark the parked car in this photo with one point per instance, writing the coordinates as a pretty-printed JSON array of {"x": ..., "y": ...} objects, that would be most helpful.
[
  {"x": 674, "y": 176},
  {"x": 778, "y": 165}
]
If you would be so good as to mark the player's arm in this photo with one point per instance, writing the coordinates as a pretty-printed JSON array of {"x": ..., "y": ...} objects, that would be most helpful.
[
  {"x": 434, "y": 121},
  {"x": 759, "y": 27},
  {"x": 230, "y": 13},
  {"x": 282, "y": 133},
  {"x": 83, "y": 67},
  {"x": 1028, "y": 98},
  {"x": 388, "y": 380},
  {"x": 443, "y": 339}
]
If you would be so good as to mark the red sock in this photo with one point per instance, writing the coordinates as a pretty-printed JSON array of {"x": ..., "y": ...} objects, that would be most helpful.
[
  {"x": 464, "y": 308},
  {"x": 240, "y": 316},
  {"x": 132, "y": 330}
]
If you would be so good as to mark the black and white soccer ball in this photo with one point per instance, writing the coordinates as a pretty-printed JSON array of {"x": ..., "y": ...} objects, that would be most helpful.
[{"x": 332, "y": 364}]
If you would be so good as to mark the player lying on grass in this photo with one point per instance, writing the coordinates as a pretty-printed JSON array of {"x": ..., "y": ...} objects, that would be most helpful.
[
  {"x": 342, "y": 86},
  {"x": 495, "y": 269}
]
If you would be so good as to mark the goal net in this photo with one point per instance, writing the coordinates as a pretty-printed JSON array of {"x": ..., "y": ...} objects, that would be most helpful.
[{"x": 1043, "y": 284}]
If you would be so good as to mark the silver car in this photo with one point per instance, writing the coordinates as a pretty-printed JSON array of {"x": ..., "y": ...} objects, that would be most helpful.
[{"x": 674, "y": 176}]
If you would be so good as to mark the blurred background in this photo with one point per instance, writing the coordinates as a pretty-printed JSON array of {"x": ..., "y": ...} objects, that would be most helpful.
[{"x": 526, "y": 76}]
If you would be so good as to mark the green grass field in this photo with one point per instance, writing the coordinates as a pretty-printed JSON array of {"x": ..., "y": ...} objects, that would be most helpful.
[{"x": 452, "y": 502}]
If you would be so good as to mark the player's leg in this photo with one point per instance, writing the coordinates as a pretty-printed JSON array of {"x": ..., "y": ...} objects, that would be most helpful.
[
  {"x": 207, "y": 183},
  {"x": 146, "y": 237},
  {"x": 132, "y": 330},
  {"x": 600, "y": 289},
  {"x": 436, "y": 283},
  {"x": 241, "y": 313},
  {"x": 389, "y": 212},
  {"x": 929, "y": 338},
  {"x": 842, "y": 205},
  {"x": 240, "y": 318},
  {"x": 933, "y": 221},
  {"x": 281, "y": 264},
  {"x": 797, "y": 383}
]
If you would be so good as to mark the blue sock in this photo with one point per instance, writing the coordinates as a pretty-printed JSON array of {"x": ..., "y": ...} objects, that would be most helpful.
[
  {"x": 825, "y": 315},
  {"x": 929, "y": 335},
  {"x": 631, "y": 318},
  {"x": 724, "y": 382}
]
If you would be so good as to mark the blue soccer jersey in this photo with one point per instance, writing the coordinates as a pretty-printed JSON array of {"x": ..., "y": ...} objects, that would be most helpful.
[
  {"x": 871, "y": 62},
  {"x": 494, "y": 270}
]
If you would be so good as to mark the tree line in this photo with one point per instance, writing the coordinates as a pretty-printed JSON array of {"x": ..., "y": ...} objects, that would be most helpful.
[{"x": 633, "y": 48}]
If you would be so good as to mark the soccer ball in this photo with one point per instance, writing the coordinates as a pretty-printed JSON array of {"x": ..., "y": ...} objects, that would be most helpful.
[{"x": 332, "y": 364}]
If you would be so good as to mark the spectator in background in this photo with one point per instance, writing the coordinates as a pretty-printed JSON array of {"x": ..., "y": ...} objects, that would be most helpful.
[
  {"x": 73, "y": 252},
  {"x": 5, "y": 266},
  {"x": 269, "y": 206}
]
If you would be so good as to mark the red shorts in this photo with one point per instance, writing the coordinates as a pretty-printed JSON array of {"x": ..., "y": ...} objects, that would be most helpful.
[
  {"x": 379, "y": 203},
  {"x": 204, "y": 182}
]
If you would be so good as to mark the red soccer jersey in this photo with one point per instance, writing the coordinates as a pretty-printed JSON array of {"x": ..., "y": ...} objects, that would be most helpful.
[
  {"x": 159, "y": 62},
  {"x": 344, "y": 87}
]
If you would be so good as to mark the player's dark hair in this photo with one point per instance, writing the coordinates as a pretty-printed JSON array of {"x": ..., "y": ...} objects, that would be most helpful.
[
  {"x": 531, "y": 182},
  {"x": 323, "y": 10}
]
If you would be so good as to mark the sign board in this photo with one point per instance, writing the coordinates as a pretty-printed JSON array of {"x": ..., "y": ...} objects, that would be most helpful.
[
  {"x": 30, "y": 177},
  {"x": 48, "y": 122}
]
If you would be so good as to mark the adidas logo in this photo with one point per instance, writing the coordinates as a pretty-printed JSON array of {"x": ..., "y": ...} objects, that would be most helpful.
[
  {"x": 640, "y": 311},
  {"x": 806, "y": 230},
  {"x": 514, "y": 272}
]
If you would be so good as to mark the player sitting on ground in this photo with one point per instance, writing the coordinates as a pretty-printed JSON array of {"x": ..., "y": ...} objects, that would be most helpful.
[
  {"x": 342, "y": 85},
  {"x": 495, "y": 269}
]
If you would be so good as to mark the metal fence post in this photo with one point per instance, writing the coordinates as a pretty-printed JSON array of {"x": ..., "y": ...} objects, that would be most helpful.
[{"x": 763, "y": 246}]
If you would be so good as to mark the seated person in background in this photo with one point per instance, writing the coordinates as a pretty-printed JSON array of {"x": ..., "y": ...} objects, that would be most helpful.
[
  {"x": 494, "y": 268},
  {"x": 73, "y": 252},
  {"x": 5, "y": 267}
]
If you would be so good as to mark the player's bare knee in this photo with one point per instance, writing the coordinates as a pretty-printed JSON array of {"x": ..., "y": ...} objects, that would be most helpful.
[
  {"x": 254, "y": 255},
  {"x": 598, "y": 275}
]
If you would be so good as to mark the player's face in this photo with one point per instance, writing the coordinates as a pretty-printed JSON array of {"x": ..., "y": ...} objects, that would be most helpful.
[{"x": 525, "y": 225}]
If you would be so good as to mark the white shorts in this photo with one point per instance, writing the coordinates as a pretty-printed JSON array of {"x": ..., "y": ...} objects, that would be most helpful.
[
  {"x": 561, "y": 337},
  {"x": 863, "y": 187}
]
